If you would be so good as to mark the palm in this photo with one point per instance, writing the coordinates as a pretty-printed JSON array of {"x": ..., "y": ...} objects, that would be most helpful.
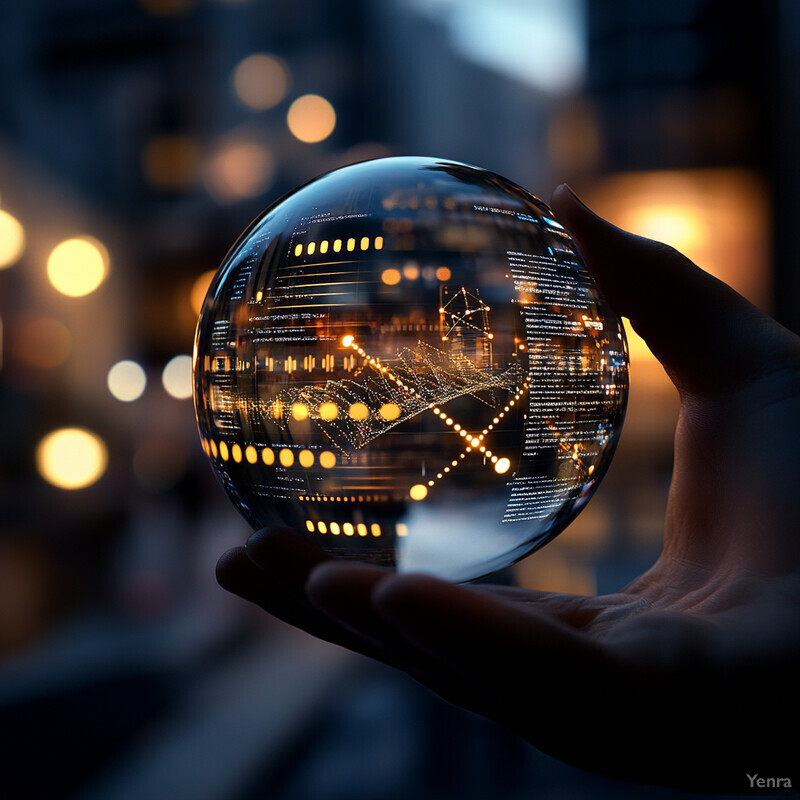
[{"x": 705, "y": 643}]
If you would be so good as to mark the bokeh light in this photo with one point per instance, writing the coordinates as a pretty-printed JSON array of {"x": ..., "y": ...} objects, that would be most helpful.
[
  {"x": 261, "y": 81},
  {"x": 71, "y": 458},
  {"x": 682, "y": 225},
  {"x": 171, "y": 161},
  {"x": 42, "y": 342},
  {"x": 126, "y": 381},
  {"x": 76, "y": 267},
  {"x": 12, "y": 239},
  {"x": 311, "y": 118},
  {"x": 199, "y": 290},
  {"x": 240, "y": 167},
  {"x": 177, "y": 377}
]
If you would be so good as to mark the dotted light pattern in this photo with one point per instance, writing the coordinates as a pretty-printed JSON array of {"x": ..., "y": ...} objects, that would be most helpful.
[
  {"x": 387, "y": 414},
  {"x": 353, "y": 412},
  {"x": 349, "y": 245}
]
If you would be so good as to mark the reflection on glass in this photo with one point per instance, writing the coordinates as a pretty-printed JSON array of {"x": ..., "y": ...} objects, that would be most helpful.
[{"x": 420, "y": 365}]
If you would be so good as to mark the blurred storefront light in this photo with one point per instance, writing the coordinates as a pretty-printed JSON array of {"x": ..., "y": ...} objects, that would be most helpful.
[
  {"x": 240, "y": 167},
  {"x": 12, "y": 239},
  {"x": 126, "y": 381},
  {"x": 177, "y": 377},
  {"x": 199, "y": 290},
  {"x": 716, "y": 217},
  {"x": 261, "y": 81},
  {"x": 311, "y": 118},
  {"x": 682, "y": 226},
  {"x": 76, "y": 267},
  {"x": 71, "y": 458},
  {"x": 41, "y": 342}
]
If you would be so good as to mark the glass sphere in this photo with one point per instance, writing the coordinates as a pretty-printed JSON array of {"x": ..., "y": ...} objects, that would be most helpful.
[{"x": 406, "y": 361}]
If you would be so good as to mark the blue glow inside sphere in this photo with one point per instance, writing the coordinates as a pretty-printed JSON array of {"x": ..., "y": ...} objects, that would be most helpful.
[{"x": 406, "y": 361}]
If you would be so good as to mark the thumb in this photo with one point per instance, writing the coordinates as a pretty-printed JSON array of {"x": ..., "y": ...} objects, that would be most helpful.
[{"x": 708, "y": 338}]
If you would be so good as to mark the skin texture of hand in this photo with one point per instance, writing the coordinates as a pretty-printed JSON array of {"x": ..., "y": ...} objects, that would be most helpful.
[{"x": 688, "y": 676}]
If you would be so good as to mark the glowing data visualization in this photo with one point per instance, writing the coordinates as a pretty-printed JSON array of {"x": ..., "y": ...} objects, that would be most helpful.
[{"x": 406, "y": 362}]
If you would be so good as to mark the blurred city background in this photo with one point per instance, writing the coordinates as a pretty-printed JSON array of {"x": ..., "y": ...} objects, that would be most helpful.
[{"x": 138, "y": 138}]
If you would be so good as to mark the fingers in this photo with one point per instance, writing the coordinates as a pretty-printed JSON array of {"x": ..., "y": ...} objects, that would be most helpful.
[
  {"x": 489, "y": 654},
  {"x": 343, "y": 591},
  {"x": 284, "y": 556},
  {"x": 239, "y": 575},
  {"x": 479, "y": 633},
  {"x": 271, "y": 572},
  {"x": 351, "y": 594},
  {"x": 435, "y": 629},
  {"x": 707, "y": 336}
]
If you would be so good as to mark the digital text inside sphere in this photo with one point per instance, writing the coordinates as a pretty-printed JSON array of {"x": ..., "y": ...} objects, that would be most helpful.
[{"x": 406, "y": 361}]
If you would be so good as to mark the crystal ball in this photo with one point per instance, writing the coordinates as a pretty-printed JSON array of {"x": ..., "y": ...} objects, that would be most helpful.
[{"x": 406, "y": 362}]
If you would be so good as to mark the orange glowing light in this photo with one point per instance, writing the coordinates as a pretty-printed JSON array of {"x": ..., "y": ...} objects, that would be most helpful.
[
  {"x": 261, "y": 81},
  {"x": 311, "y": 118}
]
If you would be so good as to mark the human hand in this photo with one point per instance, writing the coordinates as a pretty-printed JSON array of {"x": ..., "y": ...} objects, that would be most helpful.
[{"x": 683, "y": 678}]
